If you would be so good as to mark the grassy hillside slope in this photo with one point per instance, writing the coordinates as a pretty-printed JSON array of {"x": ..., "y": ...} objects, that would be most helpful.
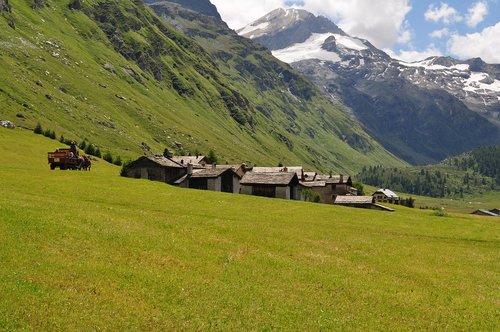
[
  {"x": 114, "y": 73},
  {"x": 95, "y": 251}
]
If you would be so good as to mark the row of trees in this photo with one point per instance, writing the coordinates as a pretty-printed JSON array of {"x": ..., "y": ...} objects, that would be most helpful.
[
  {"x": 427, "y": 182},
  {"x": 85, "y": 145},
  {"x": 484, "y": 160}
]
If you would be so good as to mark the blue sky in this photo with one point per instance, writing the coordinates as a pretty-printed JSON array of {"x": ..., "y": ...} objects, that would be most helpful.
[
  {"x": 422, "y": 27},
  {"x": 407, "y": 29}
]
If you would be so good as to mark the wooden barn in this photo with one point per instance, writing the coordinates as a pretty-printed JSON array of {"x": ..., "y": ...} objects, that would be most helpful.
[
  {"x": 386, "y": 196},
  {"x": 496, "y": 211},
  {"x": 340, "y": 185},
  {"x": 155, "y": 168},
  {"x": 271, "y": 184},
  {"x": 364, "y": 202},
  {"x": 223, "y": 178},
  {"x": 482, "y": 212},
  {"x": 320, "y": 187}
]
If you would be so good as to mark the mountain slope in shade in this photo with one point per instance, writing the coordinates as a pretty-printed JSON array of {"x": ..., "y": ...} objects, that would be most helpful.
[{"x": 422, "y": 112}]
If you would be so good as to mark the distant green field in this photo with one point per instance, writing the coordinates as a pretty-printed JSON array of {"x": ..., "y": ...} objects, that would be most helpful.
[
  {"x": 94, "y": 251},
  {"x": 468, "y": 204}
]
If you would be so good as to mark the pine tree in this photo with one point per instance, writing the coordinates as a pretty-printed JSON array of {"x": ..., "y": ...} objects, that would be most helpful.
[{"x": 38, "y": 129}]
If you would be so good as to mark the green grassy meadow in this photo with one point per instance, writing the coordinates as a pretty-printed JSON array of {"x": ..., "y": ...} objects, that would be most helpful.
[
  {"x": 94, "y": 251},
  {"x": 488, "y": 200}
]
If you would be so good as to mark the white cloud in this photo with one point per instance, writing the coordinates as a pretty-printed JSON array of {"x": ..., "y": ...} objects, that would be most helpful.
[
  {"x": 413, "y": 55},
  {"x": 238, "y": 13},
  {"x": 440, "y": 33},
  {"x": 384, "y": 27},
  {"x": 405, "y": 37},
  {"x": 484, "y": 44},
  {"x": 476, "y": 13},
  {"x": 443, "y": 13}
]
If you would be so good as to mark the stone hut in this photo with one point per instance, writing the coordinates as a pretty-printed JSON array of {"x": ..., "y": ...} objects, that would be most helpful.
[
  {"x": 271, "y": 184},
  {"x": 155, "y": 168},
  {"x": 364, "y": 202},
  {"x": 215, "y": 178}
]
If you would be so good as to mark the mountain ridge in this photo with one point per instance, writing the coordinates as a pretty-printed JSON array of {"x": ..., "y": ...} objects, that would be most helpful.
[{"x": 454, "y": 108}]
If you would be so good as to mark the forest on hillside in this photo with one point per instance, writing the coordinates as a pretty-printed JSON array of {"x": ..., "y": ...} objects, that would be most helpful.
[{"x": 475, "y": 172}]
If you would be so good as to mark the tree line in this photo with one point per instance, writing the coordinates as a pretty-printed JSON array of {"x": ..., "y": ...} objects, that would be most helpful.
[{"x": 474, "y": 172}]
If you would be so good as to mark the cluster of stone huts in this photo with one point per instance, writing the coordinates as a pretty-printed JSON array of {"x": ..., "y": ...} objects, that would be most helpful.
[{"x": 294, "y": 183}]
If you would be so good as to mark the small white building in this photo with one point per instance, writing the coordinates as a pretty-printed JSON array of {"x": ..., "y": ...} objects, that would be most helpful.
[{"x": 386, "y": 196}]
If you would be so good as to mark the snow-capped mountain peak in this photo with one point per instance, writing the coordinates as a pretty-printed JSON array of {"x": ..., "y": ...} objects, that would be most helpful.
[
  {"x": 279, "y": 19},
  {"x": 412, "y": 102},
  {"x": 321, "y": 46}
]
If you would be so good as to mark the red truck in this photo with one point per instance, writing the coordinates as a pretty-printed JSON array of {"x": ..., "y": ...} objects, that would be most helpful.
[{"x": 64, "y": 159}]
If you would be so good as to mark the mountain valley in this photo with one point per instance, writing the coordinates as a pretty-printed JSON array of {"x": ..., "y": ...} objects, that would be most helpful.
[{"x": 114, "y": 73}]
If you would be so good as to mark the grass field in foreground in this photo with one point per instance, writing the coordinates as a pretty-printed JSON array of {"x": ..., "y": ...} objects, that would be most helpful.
[{"x": 88, "y": 251}]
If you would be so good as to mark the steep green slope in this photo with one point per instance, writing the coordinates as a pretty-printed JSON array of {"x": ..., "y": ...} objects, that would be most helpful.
[
  {"x": 280, "y": 94},
  {"x": 114, "y": 73},
  {"x": 94, "y": 251}
]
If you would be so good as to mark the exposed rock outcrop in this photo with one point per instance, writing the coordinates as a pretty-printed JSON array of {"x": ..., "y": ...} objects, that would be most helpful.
[{"x": 5, "y": 6}]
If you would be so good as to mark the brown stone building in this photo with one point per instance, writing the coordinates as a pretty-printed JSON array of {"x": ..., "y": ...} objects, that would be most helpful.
[
  {"x": 155, "y": 168},
  {"x": 328, "y": 187},
  {"x": 223, "y": 178},
  {"x": 271, "y": 184}
]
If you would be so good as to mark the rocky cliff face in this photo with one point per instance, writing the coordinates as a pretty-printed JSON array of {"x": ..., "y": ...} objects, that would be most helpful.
[
  {"x": 4, "y": 6},
  {"x": 422, "y": 112},
  {"x": 204, "y": 7}
]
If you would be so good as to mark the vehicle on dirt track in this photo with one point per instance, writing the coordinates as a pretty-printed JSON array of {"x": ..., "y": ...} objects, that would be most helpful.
[{"x": 69, "y": 159}]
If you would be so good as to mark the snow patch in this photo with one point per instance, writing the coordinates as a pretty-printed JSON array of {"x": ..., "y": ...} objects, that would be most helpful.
[
  {"x": 254, "y": 28},
  {"x": 474, "y": 84},
  {"x": 427, "y": 64},
  {"x": 349, "y": 42},
  {"x": 310, "y": 49}
]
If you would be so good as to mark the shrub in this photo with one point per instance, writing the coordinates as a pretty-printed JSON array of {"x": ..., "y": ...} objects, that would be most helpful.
[
  {"x": 83, "y": 145},
  {"x": 212, "y": 157},
  {"x": 311, "y": 196},
  {"x": 118, "y": 161},
  {"x": 108, "y": 157},
  {"x": 89, "y": 149},
  {"x": 359, "y": 186},
  {"x": 167, "y": 153},
  {"x": 123, "y": 171},
  {"x": 97, "y": 153},
  {"x": 48, "y": 133},
  {"x": 408, "y": 202},
  {"x": 38, "y": 129},
  {"x": 440, "y": 213}
]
